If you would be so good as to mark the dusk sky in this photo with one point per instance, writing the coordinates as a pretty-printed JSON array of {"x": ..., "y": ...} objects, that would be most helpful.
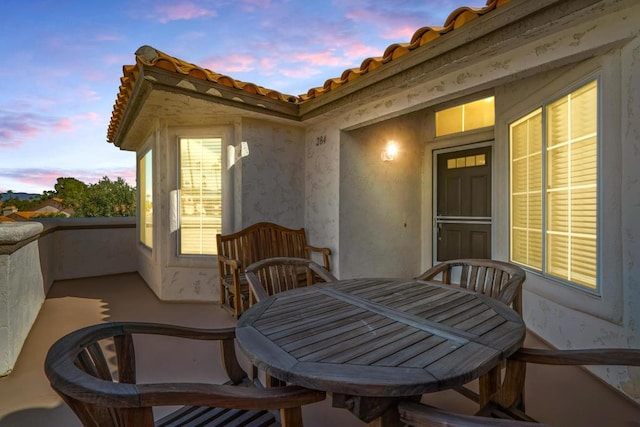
[{"x": 61, "y": 63}]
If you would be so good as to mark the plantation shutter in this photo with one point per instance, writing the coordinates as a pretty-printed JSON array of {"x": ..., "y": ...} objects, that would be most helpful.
[
  {"x": 200, "y": 194},
  {"x": 572, "y": 186},
  {"x": 526, "y": 190}
]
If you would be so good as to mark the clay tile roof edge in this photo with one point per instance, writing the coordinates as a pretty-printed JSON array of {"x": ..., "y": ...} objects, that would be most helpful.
[{"x": 149, "y": 56}]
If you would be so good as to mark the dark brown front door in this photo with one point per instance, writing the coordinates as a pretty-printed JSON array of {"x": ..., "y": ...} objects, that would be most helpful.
[{"x": 463, "y": 206}]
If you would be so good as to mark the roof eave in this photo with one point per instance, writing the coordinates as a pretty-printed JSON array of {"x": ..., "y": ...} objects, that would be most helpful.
[{"x": 152, "y": 79}]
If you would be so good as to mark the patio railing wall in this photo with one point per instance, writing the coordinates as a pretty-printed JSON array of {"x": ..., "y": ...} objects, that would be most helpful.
[{"x": 35, "y": 254}]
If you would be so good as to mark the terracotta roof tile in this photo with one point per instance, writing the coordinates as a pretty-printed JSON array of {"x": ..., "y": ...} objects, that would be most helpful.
[{"x": 149, "y": 56}]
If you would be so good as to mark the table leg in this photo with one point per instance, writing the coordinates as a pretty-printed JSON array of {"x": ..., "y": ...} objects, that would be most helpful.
[
  {"x": 488, "y": 385},
  {"x": 375, "y": 411}
]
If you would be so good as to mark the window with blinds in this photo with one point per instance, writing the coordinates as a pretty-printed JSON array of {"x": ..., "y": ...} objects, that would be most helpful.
[
  {"x": 555, "y": 230},
  {"x": 526, "y": 190},
  {"x": 200, "y": 195},
  {"x": 145, "y": 188}
]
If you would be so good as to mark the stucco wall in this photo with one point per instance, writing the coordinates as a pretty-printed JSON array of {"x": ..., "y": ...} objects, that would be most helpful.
[
  {"x": 380, "y": 201},
  {"x": 266, "y": 185},
  {"x": 322, "y": 189},
  {"x": 21, "y": 290},
  {"x": 273, "y": 174}
]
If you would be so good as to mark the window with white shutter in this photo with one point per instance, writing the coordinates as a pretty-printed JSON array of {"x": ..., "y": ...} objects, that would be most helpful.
[
  {"x": 200, "y": 195},
  {"x": 145, "y": 187},
  {"x": 554, "y": 188}
]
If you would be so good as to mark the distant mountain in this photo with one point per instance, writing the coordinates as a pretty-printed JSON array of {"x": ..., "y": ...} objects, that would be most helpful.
[{"x": 20, "y": 196}]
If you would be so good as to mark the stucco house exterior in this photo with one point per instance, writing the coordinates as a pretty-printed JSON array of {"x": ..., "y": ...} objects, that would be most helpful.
[{"x": 542, "y": 97}]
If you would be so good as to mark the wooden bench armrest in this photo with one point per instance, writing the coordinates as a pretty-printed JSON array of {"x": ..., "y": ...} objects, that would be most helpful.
[
  {"x": 326, "y": 253},
  {"x": 233, "y": 263}
]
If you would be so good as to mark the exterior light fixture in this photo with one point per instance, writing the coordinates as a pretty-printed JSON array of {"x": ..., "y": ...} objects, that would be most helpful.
[
  {"x": 390, "y": 152},
  {"x": 235, "y": 153}
]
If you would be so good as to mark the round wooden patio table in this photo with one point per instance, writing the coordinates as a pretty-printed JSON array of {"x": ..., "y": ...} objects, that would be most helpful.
[{"x": 370, "y": 342}]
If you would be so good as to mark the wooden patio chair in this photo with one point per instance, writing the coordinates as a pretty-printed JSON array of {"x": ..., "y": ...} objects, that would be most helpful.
[
  {"x": 274, "y": 275},
  {"x": 78, "y": 368},
  {"x": 497, "y": 279},
  {"x": 506, "y": 405},
  {"x": 508, "y": 400}
]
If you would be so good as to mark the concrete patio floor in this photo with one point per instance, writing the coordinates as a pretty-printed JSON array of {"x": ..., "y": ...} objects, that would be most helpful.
[{"x": 561, "y": 396}]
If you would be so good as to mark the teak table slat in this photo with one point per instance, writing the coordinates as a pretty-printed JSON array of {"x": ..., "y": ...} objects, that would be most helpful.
[{"x": 370, "y": 342}]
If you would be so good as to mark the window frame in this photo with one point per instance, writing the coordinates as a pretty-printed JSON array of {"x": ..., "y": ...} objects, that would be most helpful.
[
  {"x": 178, "y": 143},
  {"x": 543, "y": 107},
  {"x": 142, "y": 197},
  {"x": 461, "y": 103}
]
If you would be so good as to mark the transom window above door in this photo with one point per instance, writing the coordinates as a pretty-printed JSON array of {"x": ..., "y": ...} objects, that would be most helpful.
[{"x": 465, "y": 117}]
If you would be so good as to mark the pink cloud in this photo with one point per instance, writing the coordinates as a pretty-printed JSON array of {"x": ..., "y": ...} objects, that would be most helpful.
[
  {"x": 252, "y": 5},
  {"x": 15, "y": 135},
  {"x": 16, "y": 127},
  {"x": 300, "y": 72},
  {"x": 235, "y": 63},
  {"x": 64, "y": 125},
  {"x": 361, "y": 50},
  {"x": 46, "y": 178},
  {"x": 325, "y": 59},
  {"x": 184, "y": 11},
  {"x": 400, "y": 33},
  {"x": 89, "y": 116}
]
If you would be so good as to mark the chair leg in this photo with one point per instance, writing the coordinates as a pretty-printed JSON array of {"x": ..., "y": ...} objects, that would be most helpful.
[{"x": 291, "y": 417}]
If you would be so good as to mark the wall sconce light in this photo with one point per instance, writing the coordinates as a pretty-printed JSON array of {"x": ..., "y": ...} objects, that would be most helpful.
[
  {"x": 235, "y": 153},
  {"x": 390, "y": 152}
]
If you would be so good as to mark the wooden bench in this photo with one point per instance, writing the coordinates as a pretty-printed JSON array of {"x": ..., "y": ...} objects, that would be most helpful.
[{"x": 257, "y": 242}]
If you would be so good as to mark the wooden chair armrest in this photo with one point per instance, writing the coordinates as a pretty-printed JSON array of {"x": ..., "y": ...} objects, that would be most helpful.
[
  {"x": 417, "y": 414},
  {"x": 200, "y": 394},
  {"x": 433, "y": 272},
  {"x": 324, "y": 274},
  {"x": 66, "y": 376},
  {"x": 510, "y": 392},
  {"x": 233, "y": 263},
  {"x": 604, "y": 356},
  {"x": 258, "y": 292}
]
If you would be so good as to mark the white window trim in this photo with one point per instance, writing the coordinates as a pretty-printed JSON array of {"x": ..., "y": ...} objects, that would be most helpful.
[{"x": 174, "y": 257}]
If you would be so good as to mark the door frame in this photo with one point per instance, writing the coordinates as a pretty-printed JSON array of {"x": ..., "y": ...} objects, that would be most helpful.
[{"x": 434, "y": 190}]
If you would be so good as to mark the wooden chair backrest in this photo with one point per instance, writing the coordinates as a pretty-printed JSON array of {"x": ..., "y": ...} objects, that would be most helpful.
[
  {"x": 274, "y": 275},
  {"x": 497, "y": 279},
  {"x": 261, "y": 241}
]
